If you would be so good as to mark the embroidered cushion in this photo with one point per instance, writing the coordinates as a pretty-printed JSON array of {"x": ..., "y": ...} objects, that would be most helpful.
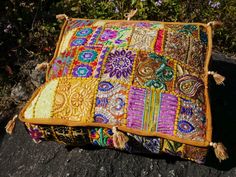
[{"x": 148, "y": 79}]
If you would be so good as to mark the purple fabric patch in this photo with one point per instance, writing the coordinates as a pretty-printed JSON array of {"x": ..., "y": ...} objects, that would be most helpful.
[
  {"x": 166, "y": 122},
  {"x": 136, "y": 108}
]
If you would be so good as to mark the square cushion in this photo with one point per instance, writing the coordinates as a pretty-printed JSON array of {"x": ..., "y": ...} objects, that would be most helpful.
[{"x": 149, "y": 79}]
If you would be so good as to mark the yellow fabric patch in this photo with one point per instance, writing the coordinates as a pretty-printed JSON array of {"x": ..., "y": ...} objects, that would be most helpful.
[
  {"x": 29, "y": 112},
  {"x": 99, "y": 23},
  {"x": 66, "y": 40},
  {"x": 43, "y": 106},
  {"x": 74, "y": 99}
]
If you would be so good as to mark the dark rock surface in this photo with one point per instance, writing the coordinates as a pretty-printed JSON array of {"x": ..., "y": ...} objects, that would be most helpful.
[{"x": 21, "y": 157}]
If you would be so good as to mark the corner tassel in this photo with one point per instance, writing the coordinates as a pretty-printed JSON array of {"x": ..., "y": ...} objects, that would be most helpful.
[
  {"x": 215, "y": 24},
  {"x": 62, "y": 17},
  {"x": 130, "y": 14},
  {"x": 119, "y": 139},
  {"x": 219, "y": 79},
  {"x": 42, "y": 66},
  {"x": 220, "y": 151},
  {"x": 11, "y": 125}
]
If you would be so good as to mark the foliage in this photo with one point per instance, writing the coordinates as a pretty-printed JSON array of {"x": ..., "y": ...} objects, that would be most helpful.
[{"x": 29, "y": 29}]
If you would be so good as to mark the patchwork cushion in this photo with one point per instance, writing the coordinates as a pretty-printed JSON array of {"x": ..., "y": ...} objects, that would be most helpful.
[{"x": 148, "y": 79}]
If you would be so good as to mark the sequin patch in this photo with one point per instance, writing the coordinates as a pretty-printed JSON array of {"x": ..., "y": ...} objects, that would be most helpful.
[{"x": 111, "y": 103}]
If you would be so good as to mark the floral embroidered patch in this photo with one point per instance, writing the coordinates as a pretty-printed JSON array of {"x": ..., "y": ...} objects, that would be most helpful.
[
  {"x": 74, "y": 99},
  {"x": 115, "y": 36},
  {"x": 88, "y": 62},
  {"x": 81, "y": 36},
  {"x": 119, "y": 65}
]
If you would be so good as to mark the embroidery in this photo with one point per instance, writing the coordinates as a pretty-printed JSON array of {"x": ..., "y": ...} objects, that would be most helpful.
[
  {"x": 191, "y": 30},
  {"x": 168, "y": 109},
  {"x": 110, "y": 103},
  {"x": 95, "y": 36},
  {"x": 101, "y": 137},
  {"x": 203, "y": 35},
  {"x": 189, "y": 85},
  {"x": 87, "y": 56},
  {"x": 151, "y": 144},
  {"x": 82, "y": 71},
  {"x": 153, "y": 71},
  {"x": 173, "y": 148},
  {"x": 143, "y": 109},
  {"x": 176, "y": 46},
  {"x": 119, "y": 65},
  {"x": 115, "y": 36},
  {"x": 88, "y": 61},
  {"x": 149, "y": 25},
  {"x": 74, "y": 99},
  {"x": 84, "y": 32},
  {"x": 143, "y": 39},
  {"x": 35, "y": 133},
  {"x": 197, "y": 52},
  {"x": 136, "y": 108},
  {"x": 78, "y": 42},
  {"x": 191, "y": 121},
  {"x": 78, "y": 23},
  {"x": 120, "y": 24},
  {"x": 195, "y": 153},
  {"x": 75, "y": 136},
  {"x": 61, "y": 64},
  {"x": 81, "y": 36},
  {"x": 103, "y": 54}
]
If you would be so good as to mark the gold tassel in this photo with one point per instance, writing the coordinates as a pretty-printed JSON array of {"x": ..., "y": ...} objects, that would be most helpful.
[
  {"x": 62, "y": 17},
  {"x": 215, "y": 24},
  {"x": 220, "y": 151},
  {"x": 119, "y": 138},
  {"x": 42, "y": 66},
  {"x": 219, "y": 79},
  {"x": 11, "y": 125},
  {"x": 130, "y": 14}
]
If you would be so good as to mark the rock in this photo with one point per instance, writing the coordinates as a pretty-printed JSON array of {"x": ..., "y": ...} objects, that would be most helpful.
[
  {"x": 37, "y": 77},
  {"x": 19, "y": 93}
]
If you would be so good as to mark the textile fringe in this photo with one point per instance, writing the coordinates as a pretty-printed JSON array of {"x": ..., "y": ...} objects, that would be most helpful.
[
  {"x": 119, "y": 138},
  {"x": 62, "y": 17},
  {"x": 130, "y": 14},
  {"x": 11, "y": 125},
  {"x": 219, "y": 79},
  {"x": 220, "y": 151},
  {"x": 42, "y": 66}
]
